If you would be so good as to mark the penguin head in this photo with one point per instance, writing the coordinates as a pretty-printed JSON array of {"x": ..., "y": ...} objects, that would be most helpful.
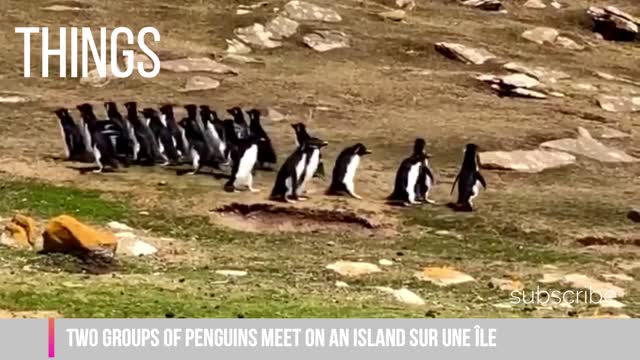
[
  {"x": 471, "y": 148},
  {"x": 254, "y": 114},
  {"x": 85, "y": 108},
  {"x": 131, "y": 105},
  {"x": 166, "y": 109},
  {"x": 315, "y": 143},
  {"x": 419, "y": 146},
  {"x": 361, "y": 150},
  {"x": 192, "y": 110},
  {"x": 149, "y": 113},
  {"x": 62, "y": 113},
  {"x": 205, "y": 112}
]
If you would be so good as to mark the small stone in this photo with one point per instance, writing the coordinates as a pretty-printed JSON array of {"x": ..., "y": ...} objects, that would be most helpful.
[
  {"x": 325, "y": 40},
  {"x": 443, "y": 276},
  {"x": 404, "y": 295},
  {"x": 619, "y": 103},
  {"x": 197, "y": 65},
  {"x": 243, "y": 59},
  {"x": 503, "y": 306},
  {"x": 243, "y": 12},
  {"x": 464, "y": 53},
  {"x": 237, "y": 47},
  {"x": 611, "y": 304},
  {"x": 232, "y": 273},
  {"x": 132, "y": 246},
  {"x": 541, "y": 35},
  {"x": 586, "y": 145},
  {"x": 257, "y": 35},
  {"x": 342, "y": 284},
  {"x": 605, "y": 289},
  {"x": 506, "y": 284},
  {"x": 609, "y": 133},
  {"x": 353, "y": 269},
  {"x": 304, "y": 11},
  {"x": 60, "y": 7},
  {"x": 97, "y": 80},
  {"x": 535, "y": 4},
  {"x": 568, "y": 43},
  {"x": 619, "y": 277},
  {"x": 488, "y": 5},
  {"x": 408, "y": 5},
  {"x": 385, "y": 262},
  {"x": 282, "y": 27},
  {"x": 275, "y": 116},
  {"x": 114, "y": 225},
  {"x": 200, "y": 83},
  {"x": 12, "y": 99},
  {"x": 395, "y": 15}
]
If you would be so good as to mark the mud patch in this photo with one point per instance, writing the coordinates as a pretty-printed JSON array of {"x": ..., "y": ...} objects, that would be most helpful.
[
  {"x": 609, "y": 240},
  {"x": 262, "y": 217}
]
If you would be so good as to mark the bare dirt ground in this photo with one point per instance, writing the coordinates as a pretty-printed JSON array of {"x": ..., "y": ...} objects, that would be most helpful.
[{"x": 388, "y": 88}]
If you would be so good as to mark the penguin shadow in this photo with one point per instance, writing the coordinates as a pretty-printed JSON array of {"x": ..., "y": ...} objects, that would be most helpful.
[
  {"x": 459, "y": 207},
  {"x": 188, "y": 171}
]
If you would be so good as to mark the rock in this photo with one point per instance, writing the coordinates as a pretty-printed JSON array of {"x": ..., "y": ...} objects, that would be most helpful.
[
  {"x": 282, "y": 27},
  {"x": 304, "y": 11},
  {"x": 609, "y": 133},
  {"x": 385, "y": 262},
  {"x": 406, "y": 4},
  {"x": 506, "y": 284},
  {"x": 443, "y": 276},
  {"x": 257, "y": 35},
  {"x": 519, "y": 80},
  {"x": 130, "y": 245},
  {"x": 605, "y": 289},
  {"x": 243, "y": 59},
  {"x": 540, "y": 73},
  {"x": 568, "y": 43},
  {"x": 556, "y": 5},
  {"x": 611, "y": 304},
  {"x": 232, "y": 273},
  {"x": 634, "y": 215},
  {"x": 65, "y": 234},
  {"x": 114, "y": 225},
  {"x": 237, "y": 47},
  {"x": 513, "y": 85},
  {"x": 200, "y": 83},
  {"x": 528, "y": 161},
  {"x": 535, "y": 4},
  {"x": 147, "y": 64},
  {"x": 585, "y": 87},
  {"x": 586, "y": 145},
  {"x": 325, "y": 40},
  {"x": 20, "y": 232},
  {"x": 60, "y": 7},
  {"x": 342, "y": 284},
  {"x": 242, "y": 11},
  {"x": 541, "y": 35},
  {"x": 619, "y": 277},
  {"x": 197, "y": 65},
  {"x": 395, "y": 15},
  {"x": 502, "y": 306},
  {"x": 613, "y": 23},
  {"x": 550, "y": 278},
  {"x": 254, "y": 6},
  {"x": 464, "y": 53},
  {"x": 274, "y": 115},
  {"x": 95, "y": 79},
  {"x": 488, "y": 5},
  {"x": 8, "y": 98},
  {"x": 611, "y": 77},
  {"x": 619, "y": 103},
  {"x": 353, "y": 269},
  {"x": 403, "y": 295},
  {"x": 629, "y": 265},
  {"x": 528, "y": 93}
]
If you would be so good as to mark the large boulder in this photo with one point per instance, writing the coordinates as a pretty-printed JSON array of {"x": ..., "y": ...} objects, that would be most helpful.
[
  {"x": 464, "y": 53},
  {"x": 65, "y": 234},
  {"x": 586, "y": 145},
  {"x": 614, "y": 24},
  {"x": 304, "y": 11},
  {"x": 528, "y": 161}
]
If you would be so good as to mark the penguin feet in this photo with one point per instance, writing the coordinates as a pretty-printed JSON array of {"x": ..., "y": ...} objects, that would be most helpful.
[
  {"x": 303, "y": 197},
  {"x": 98, "y": 171},
  {"x": 356, "y": 196},
  {"x": 429, "y": 201},
  {"x": 254, "y": 190},
  {"x": 289, "y": 200}
]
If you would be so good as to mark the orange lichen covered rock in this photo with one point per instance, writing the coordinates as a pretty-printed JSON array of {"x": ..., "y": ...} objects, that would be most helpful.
[
  {"x": 29, "y": 225},
  {"x": 65, "y": 234},
  {"x": 19, "y": 232}
]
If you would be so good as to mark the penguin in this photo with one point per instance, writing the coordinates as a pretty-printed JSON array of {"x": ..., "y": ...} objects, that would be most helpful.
[
  {"x": 244, "y": 155},
  {"x": 406, "y": 181},
  {"x": 124, "y": 143},
  {"x": 242, "y": 130},
  {"x": 165, "y": 141},
  {"x": 213, "y": 136},
  {"x": 102, "y": 147},
  {"x": 146, "y": 151},
  {"x": 468, "y": 179},
  {"x": 199, "y": 151},
  {"x": 168, "y": 118},
  {"x": 302, "y": 135},
  {"x": 344, "y": 170},
  {"x": 266, "y": 154},
  {"x": 73, "y": 140},
  {"x": 297, "y": 170},
  {"x": 426, "y": 180}
]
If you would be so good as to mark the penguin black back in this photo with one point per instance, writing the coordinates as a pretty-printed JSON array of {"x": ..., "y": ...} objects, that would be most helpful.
[
  {"x": 344, "y": 170},
  {"x": 71, "y": 135},
  {"x": 266, "y": 152},
  {"x": 469, "y": 179}
]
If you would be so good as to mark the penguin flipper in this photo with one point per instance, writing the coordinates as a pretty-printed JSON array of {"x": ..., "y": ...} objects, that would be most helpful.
[
  {"x": 481, "y": 179},
  {"x": 454, "y": 183}
]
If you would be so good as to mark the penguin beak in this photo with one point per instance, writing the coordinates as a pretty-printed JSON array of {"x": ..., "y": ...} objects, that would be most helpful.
[
  {"x": 367, "y": 151},
  {"x": 324, "y": 143}
]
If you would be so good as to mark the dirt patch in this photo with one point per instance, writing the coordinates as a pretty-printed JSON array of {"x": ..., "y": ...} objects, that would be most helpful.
[
  {"x": 608, "y": 240},
  {"x": 259, "y": 217}
]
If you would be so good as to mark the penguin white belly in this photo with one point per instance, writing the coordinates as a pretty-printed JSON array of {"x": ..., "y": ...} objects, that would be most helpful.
[
  {"x": 98, "y": 157},
  {"x": 247, "y": 162},
  {"x": 475, "y": 190},
  {"x": 299, "y": 170},
  {"x": 314, "y": 160},
  {"x": 412, "y": 179},
  {"x": 87, "y": 136},
  {"x": 216, "y": 139},
  {"x": 67, "y": 150},
  {"x": 349, "y": 176},
  {"x": 163, "y": 120},
  {"x": 136, "y": 144}
]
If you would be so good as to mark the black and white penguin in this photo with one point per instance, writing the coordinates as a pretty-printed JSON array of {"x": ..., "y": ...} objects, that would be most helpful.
[
  {"x": 168, "y": 118},
  {"x": 242, "y": 129},
  {"x": 101, "y": 144},
  {"x": 301, "y": 136},
  {"x": 164, "y": 138},
  {"x": 405, "y": 187},
  {"x": 468, "y": 179},
  {"x": 213, "y": 135},
  {"x": 244, "y": 156},
  {"x": 124, "y": 143},
  {"x": 73, "y": 141},
  {"x": 426, "y": 180},
  {"x": 266, "y": 154},
  {"x": 297, "y": 170},
  {"x": 344, "y": 171},
  {"x": 146, "y": 150},
  {"x": 199, "y": 151}
]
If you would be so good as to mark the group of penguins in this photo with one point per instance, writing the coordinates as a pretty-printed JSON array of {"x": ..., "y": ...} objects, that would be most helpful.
[{"x": 149, "y": 137}]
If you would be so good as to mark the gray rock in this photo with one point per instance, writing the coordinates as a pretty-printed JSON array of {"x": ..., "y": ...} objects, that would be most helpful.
[
  {"x": 13, "y": 98},
  {"x": 257, "y": 35},
  {"x": 634, "y": 215},
  {"x": 200, "y": 83},
  {"x": 406, "y": 4},
  {"x": 619, "y": 103},
  {"x": 325, "y": 40},
  {"x": 611, "y": 77},
  {"x": 488, "y": 5},
  {"x": 61, "y": 7},
  {"x": 535, "y": 4},
  {"x": 613, "y": 23},
  {"x": 464, "y": 53},
  {"x": 527, "y": 161},
  {"x": 609, "y": 133},
  {"x": 586, "y": 145},
  {"x": 304, "y": 11},
  {"x": 542, "y": 74},
  {"x": 541, "y": 35},
  {"x": 244, "y": 59},
  {"x": 235, "y": 46},
  {"x": 568, "y": 43},
  {"x": 197, "y": 65},
  {"x": 282, "y": 27},
  {"x": 395, "y": 15},
  {"x": 94, "y": 78},
  {"x": 514, "y": 85}
]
